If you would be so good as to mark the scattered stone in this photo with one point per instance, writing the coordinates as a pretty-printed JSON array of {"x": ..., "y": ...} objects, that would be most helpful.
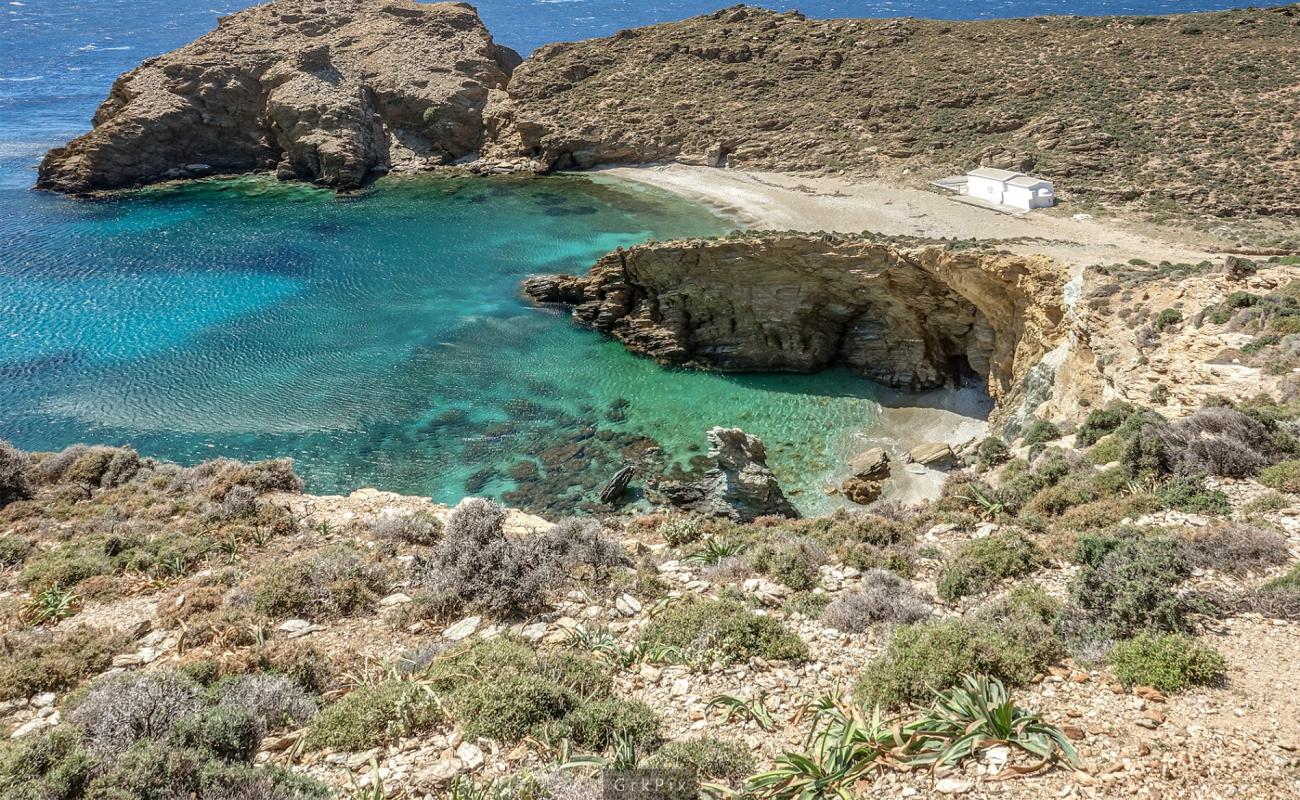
[{"x": 462, "y": 629}]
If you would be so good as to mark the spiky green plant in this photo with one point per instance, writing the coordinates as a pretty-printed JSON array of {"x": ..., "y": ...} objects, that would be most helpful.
[
  {"x": 52, "y": 605},
  {"x": 733, "y": 706},
  {"x": 716, "y": 550}
]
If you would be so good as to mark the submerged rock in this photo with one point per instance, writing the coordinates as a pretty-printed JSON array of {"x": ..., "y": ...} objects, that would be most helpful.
[
  {"x": 739, "y": 486},
  {"x": 329, "y": 91}
]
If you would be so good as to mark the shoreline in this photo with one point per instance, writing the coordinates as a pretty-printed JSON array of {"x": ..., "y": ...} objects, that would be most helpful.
[{"x": 757, "y": 200}]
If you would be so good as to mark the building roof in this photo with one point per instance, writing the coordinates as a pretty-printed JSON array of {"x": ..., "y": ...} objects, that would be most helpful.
[
  {"x": 994, "y": 174},
  {"x": 1028, "y": 182}
]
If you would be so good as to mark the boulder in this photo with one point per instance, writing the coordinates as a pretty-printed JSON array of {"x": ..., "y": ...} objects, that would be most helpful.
[
  {"x": 870, "y": 465},
  {"x": 932, "y": 454},
  {"x": 740, "y": 486}
]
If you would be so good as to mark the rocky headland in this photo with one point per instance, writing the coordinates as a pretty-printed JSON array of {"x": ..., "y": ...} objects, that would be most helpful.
[
  {"x": 331, "y": 92},
  {"x": 909, "y": 317}
]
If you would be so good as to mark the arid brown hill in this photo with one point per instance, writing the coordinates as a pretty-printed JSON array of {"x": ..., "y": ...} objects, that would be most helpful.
[
  {"x": 321, "y": 90},
  {"x": 1196, "y": 109}
]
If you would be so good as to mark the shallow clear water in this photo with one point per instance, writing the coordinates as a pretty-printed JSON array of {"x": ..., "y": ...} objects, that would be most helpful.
[{"x": 378, "y": 339}]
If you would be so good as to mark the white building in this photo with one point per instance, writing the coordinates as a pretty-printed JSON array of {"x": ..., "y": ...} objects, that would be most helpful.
[{"x": 1007, "y": 188}]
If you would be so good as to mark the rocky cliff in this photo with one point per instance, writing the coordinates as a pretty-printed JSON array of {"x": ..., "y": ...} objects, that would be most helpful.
[
  {"x": 909, "y": 317},
  {"x": 322, "y": 90},
  {"x": 1194, "y": 109}
]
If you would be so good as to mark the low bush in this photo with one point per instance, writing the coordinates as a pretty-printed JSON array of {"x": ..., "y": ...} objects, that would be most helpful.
[
  {"x": 1168, "y": 318},
  {"x": 14, "y": 551},
  {"x": 421, "y": 528},
  {"x": 981, "y": 564},
  {"x": 1238, "y": 549},
  {"x": 333, "y": 583},
  {"x": 930, "y": 656},
  {"x": 992, "y": 452},
  {"x": 1128, "y": 584},
  {"x": 1040, "y": 431},
  {"x": 884, "y": 597},
  {"x": 809, "y": 604},
  {"x": 708, "y": 758},
  {"x": 43, "y": 661},
  {"x": 1101, "y": 421},
  {"x": 1169, "y": 662},
  {"x": 1215, "y": 440},
  {"x": 1107, "y": 450},
  {"x": 509, "y": 708},
  {"x": 370, "y": 716},
  {"x": 484, "y": 570},
  {"x": 681, "y": 530},
  {"x": 1189, "y": 495},
  {"x": 724, "y": 630},
  {"x": 599, "y": 724},
  {"x": 48, "y": 764},
  {"x": 790, "y": 560},
  {"x": 15, "y": 480},
  {"x": 1284, "y": 476}
]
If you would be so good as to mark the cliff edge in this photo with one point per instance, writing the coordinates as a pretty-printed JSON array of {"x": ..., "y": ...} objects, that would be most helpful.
[{"x": 327, "y": 91}]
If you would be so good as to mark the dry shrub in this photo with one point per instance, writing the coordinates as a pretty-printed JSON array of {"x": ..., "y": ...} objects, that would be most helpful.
[
  {"x": 884, "y": 597},
  {"x": 1238, "y": 549}
]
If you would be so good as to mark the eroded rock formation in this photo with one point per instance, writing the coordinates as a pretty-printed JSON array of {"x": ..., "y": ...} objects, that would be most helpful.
[
  {"x": 740, "y": 486},
  {"x": 908, "y": 317},
  {"x": 322, "y": 90}
]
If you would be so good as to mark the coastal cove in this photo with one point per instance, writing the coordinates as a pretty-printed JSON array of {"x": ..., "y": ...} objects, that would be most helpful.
[{"x": 379, "y": 340}]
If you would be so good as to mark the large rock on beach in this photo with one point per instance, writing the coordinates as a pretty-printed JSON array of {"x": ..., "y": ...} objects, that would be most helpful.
[{"x": 330, "y": 91}]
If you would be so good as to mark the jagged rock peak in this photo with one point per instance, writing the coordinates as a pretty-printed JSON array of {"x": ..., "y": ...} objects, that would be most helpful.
[{"x": 330, "y": 91}]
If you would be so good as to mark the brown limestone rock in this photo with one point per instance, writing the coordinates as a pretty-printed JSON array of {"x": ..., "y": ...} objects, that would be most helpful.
[{"x": 330, "y": 91}]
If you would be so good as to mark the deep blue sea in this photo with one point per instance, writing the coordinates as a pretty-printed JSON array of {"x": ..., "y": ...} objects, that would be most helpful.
[{"x": 378, "y": 339}]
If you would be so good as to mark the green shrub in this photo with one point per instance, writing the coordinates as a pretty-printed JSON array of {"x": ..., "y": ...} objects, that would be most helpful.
[
  {"x": 1127, "y": 585},
  {"x": 809, "y": 604},
  {"x": 322, "y": 586},
  {"x": 43, "y": 661},
  {"x": 709, "y": 758},
  {"x": 934, "y": 655},
  {"x": 501, "y": 656},
  {"x": 1189, "y": 495},
  {"x": 1267, "y": 503},
  {"x": 508, "y": 709},
  {"x": 790, "y": 560},
  {"x": 1040, "y": 431},
  {"x": 1284, "y": 476},
  {"x": 48, "y": 764},
  {"x": 14, "y": 551},
  {"x": 65, "y": 565},
  {"x": 992, "y": 452},
  {"x": 681, "y": 530},
  {"x": 981, "y": 563},
  {"x": 1168, "y": 318},
  {"x": 1107, "y": 450},
  {"x": 598, "y": 724},
  {"x": 370, "y": 716},
  {"x": 1168, "y": 662},
  {"x": 725, "y": 630},
  {"x": 1101, "y": 421}
]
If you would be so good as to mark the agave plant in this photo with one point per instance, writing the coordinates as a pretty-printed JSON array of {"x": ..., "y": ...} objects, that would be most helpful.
[
  {"x": 600, "y": 641},
  {"x": 714, "y": 551},
  {"x": 54, "y": 604},
  {"x": 980, "y": 714},
  {"x": 733, "y": 706},
  {"x": 989, "y": 507}
]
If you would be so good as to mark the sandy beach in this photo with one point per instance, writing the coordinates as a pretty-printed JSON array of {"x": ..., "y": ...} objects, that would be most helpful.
[{"x": 772, "y": 201}]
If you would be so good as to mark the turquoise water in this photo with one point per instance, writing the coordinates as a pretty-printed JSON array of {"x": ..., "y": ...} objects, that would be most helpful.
[{"x": 378, "y": 339}]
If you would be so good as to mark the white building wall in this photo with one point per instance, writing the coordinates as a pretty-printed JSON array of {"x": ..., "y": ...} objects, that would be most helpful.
[
  {"x": 1019, "y": 197},
  {"x": 985, "y": 189}
]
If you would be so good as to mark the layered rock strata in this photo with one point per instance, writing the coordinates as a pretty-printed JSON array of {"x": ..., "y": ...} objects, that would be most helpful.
[
  {"x": 330, "y": 91},
  {"x": 739, "y": 486},
  {"x": 909, "y": 317}
]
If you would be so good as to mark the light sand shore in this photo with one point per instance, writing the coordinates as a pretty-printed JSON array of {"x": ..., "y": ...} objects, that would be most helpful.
[{"x": 772, "y": 201}]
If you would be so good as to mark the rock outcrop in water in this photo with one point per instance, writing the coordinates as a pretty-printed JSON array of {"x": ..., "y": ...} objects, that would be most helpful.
[
  {"x": 322, "y": 90},
  {"x": 740, "y": 485},
  {"x": 908, "y": 317}
]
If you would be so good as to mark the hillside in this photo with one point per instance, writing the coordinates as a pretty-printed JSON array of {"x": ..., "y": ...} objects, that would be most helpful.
[{"x": 1190, "y": 112}]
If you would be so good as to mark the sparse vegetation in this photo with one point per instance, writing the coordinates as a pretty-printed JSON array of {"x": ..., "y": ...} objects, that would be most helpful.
[
  {"x": 1169, "y": 662},
  {"x": 725, "y": 630},
  {"x": 980, "y": 564}
]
